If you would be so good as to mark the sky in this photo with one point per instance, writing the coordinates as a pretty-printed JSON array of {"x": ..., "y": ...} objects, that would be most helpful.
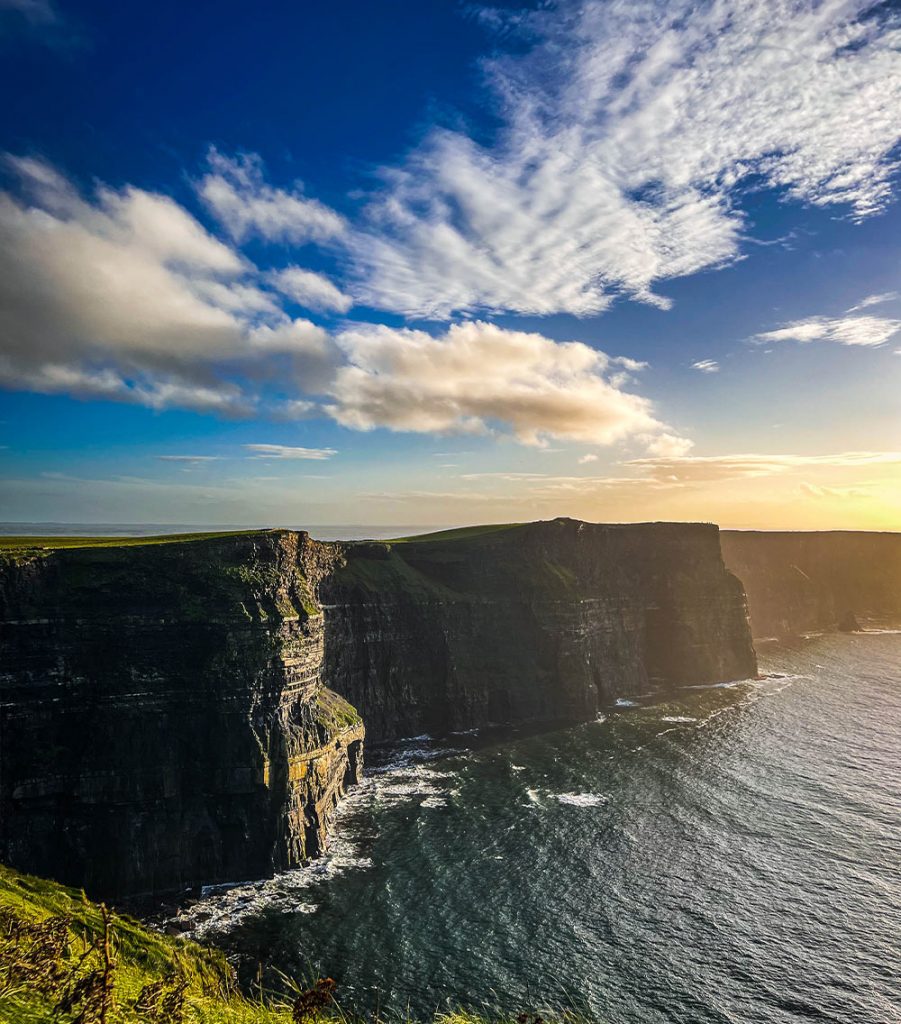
[{"x": 442, "y": 263}]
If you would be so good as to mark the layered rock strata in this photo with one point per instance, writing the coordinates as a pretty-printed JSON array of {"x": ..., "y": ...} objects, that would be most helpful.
[
  {"x": 164, "y": 722},
  {"x": 176, "y": 714},
  {"x": 545, "y": 622}
]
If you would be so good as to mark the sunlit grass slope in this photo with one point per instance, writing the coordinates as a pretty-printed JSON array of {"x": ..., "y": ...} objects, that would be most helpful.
[{"x": 460, "y": 533}]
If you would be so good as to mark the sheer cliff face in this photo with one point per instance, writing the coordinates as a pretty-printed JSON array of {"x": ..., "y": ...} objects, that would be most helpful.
[
  {"x": 163, "y": 719},
  {"x": 171, "y": 713},
  {"x": 544, "y": 622},
  {"x": 799, "y": 582}
]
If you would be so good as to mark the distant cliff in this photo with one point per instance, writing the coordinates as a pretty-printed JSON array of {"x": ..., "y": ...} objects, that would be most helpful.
[
  {"x": 799, "y": 582},
  {"x": 171, "y": 711},
  {"x": 541, "y": 622}
]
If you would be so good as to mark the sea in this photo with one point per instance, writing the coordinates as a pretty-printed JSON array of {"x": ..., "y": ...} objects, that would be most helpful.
[{"x": 729, "y": 854}]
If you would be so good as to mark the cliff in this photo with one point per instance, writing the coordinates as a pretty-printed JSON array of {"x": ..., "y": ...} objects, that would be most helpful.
[
  {"x": 543, "y": 622},
  {"x": 800, "y": 582},
  {"x": 171, "y": 712},
  {"x": 164, "y": 722}
]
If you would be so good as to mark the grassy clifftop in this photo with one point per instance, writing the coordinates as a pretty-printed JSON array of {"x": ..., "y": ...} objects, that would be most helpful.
[
  {"x": 28, "y": 545},
  {"x": 59, "y": 961}
]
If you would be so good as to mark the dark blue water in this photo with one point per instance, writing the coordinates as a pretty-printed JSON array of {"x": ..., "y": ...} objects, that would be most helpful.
[{"x": 729, "y": 856}]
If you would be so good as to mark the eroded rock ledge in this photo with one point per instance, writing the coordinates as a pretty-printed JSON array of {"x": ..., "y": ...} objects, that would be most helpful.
[{"x": 177, "y": 714}]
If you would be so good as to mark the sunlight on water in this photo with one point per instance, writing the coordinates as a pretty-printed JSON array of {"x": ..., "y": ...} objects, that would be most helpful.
[{"x": 730, "y": 855}]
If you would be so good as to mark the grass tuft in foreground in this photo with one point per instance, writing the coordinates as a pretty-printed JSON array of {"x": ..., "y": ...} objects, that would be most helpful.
[{"x": 66, "y": 960}]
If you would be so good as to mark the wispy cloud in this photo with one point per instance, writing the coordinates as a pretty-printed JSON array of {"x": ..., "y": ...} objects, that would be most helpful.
[
  {"x": 818, "y": 491},
  {"x": 630, "y": 132},
  {"x": 126, "y": 296},
  {"x": 866, "y": 331},
  {"x": 696, "y": 468},
  {"x": 314, "y": 291},
  {"x": 875, "y": 300},
  {"x": 238, "y": 195},
  {"x": 706, "y": 366},
  {"x": 282, "y": 451}
]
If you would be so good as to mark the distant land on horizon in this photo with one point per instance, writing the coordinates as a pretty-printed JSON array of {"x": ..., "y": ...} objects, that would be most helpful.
[
  {"x": 319, "y": 531},
  {"x": 350, "y": 531}
]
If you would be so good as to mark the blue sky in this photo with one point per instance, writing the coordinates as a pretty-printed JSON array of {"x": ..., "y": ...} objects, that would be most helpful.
[{"x": 441, "y": 263}]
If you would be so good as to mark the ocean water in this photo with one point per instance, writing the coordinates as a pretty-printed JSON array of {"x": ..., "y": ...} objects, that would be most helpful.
[{"x": 732, "y": 855}]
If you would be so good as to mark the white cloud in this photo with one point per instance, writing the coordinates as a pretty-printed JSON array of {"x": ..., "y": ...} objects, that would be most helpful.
[
  {"x": 315, "y": 291},
  {"x": 632, "y": 365},
  {"x": 696, "y": 468},
  {"x": 706, "y": 366},
  {"x": 875, "y": 300},
  {"x": 477, "y": 376},
  {"x": 665, "y": 445},
  {"x": 629, "y": 132},
  {"x": 282, "y": 451},
  {"x": 300, "y": 336},
  {"x": 236, "y": 193},
  {"x": 868, "y": 331},
  {"x": 126, "y": 296},
  {"x": 585, "y": 459}
]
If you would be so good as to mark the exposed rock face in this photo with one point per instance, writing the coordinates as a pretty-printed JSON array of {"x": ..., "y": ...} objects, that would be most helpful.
[
  {"x": 164, "y": 721},
  {"x": 543, "y": 622},
  {"x": 801, "y": 582},
  {"x": 165, "y": 716}
]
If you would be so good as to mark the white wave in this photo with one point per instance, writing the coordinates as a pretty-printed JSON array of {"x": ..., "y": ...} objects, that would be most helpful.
[
  {"x": 624, "y": 702},
  {"x": 729, "y": 685},
  {"x": 518, "y": 767},
  {"x": 532, "y": 794},
  {"x": 677, "y": 718},
  {"x": 411, "y": 757},
  {"x": 222, "y": 907},
  {"x": 401, "y": 792},
  {"x": 582, "y": 799}
]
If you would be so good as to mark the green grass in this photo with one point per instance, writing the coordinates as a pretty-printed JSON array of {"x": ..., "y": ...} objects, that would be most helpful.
[
  {"x": 56, "y": 543},
  {"x": 459, "y": 533},
  {"x": 333, "y": 712},
  {"x": 142, "y": 958}
]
